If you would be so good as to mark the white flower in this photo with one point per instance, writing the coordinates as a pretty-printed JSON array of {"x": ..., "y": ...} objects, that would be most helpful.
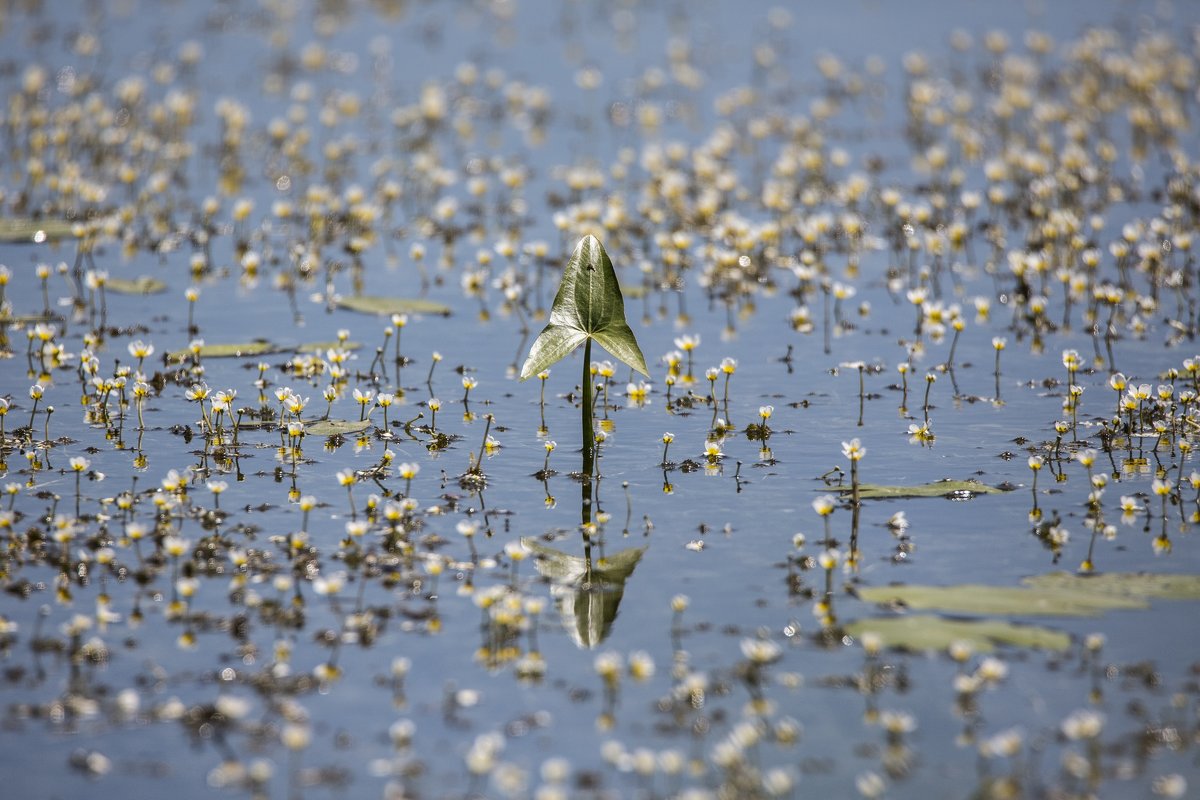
[{"x": 853, "y": 450}]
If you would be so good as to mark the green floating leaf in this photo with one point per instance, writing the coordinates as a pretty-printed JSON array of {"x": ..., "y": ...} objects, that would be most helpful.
[
  {"x": 588, "y": 305},
  {"x": 981, "y": 599},
  {"x": 373, "y": 304},
  {"x": 335, "y": 427},
  {"x": 142, "y": 284},
  {"x": 321, "y": 347},
  {"x": 258, "y": 424},
  {"x": 1060, "y": 594},
  {"x": 946, "y": 488},
  {"x": 34, "y": 231},
  {"x": 226, "y": 351},
  {"x": 26, "y": 319},
  {"x": 929, "y": 632},
  {"x": 1135, "y": 585}
]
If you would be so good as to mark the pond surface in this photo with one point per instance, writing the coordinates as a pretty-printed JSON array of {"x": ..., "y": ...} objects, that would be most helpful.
[{"x": 927, "y": 242}]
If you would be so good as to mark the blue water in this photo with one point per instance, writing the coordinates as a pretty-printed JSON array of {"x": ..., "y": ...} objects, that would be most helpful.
[{"x": 722, "y": 539}]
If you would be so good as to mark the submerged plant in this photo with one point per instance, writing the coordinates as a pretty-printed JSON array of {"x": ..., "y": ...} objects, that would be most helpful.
[{"x": 588, "y": 307}]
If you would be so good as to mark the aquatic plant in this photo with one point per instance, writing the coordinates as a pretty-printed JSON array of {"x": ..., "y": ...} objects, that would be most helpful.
[{"x": 587, "y": 307}]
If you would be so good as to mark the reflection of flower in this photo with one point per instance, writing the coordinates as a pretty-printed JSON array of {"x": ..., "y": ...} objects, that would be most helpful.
[
  {"x": 641, "y": 665},
  {"x": 829, "y": 559},
  {"x": 1083, "y": 724},
  {"x": 608, "y": 667},
  {"x": 637, "y": 393},
  {"x": 761, "y": 651}
]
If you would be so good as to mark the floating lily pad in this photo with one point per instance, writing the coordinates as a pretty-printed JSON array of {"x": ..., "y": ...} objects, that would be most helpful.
[
  {"x": 34, "y": 231},
  {"x": 374, "y": 304},
  {"x": 226, "y": 351},
  {"x": 947, "y": 488},
  {"x": 142, "y": 284},
  {"x": 336, "y": 427},
  {"x": 929, "y": 632},
  {"x": 1129, "y": 585},
  {"x": 981, "y": 599},
  {"x": 321, "y": 347}
]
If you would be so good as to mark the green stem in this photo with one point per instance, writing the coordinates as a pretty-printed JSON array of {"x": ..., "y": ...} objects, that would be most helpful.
[
  {"x": 33, "y": 413},
  {"x": 589, "y": 436},
  {"x": 854, "y": 483}
]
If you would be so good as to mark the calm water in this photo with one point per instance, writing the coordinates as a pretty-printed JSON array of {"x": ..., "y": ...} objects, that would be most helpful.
[{"x": 222, "y": 670}]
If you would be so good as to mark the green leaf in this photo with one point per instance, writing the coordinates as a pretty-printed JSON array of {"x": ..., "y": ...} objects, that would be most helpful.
[
  {"x": 25, "y": 319},
  {"x": 945, "y": 488},
  {"x": 1060, "y": 594},
  {"x": 980, "y": 599},
  {"x": 552, "y": 345},
  {"x": 1137, "y": 585},
  {"x": 335, "y": 427},
  {"x": 258, "y": 348},
  {"x": 142, "y": 284},
  {"x": 373, "y": 304},
  {"x": 321, "y": 347},
  {"x": 588, "y": 305},
  {"x": 928, "y": 632},
  {"x": 34, "y": 231}
]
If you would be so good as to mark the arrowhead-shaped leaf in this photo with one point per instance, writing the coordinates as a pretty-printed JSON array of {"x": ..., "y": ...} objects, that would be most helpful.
[{"x": 588, "y": 305}]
